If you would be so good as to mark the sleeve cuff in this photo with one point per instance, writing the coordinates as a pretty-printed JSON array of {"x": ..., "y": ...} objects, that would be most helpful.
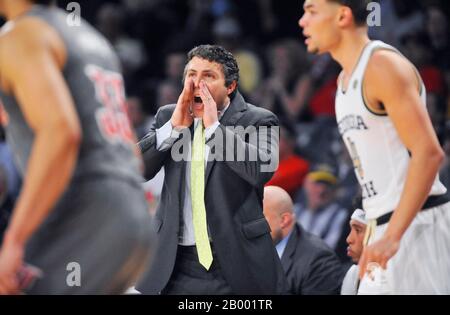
[
  {"x": 163, "y": 134},
  {"x": 210, "y": 130}
]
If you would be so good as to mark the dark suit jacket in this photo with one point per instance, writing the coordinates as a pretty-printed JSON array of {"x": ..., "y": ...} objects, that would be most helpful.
[
  {"x": 233, "y": 200},
  {"x": 310, "y": 265}
]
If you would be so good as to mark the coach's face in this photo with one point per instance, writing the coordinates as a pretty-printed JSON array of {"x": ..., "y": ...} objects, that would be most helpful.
[
  {"x": 212, "y": 74},
  {"x": 320, "y": 24}
]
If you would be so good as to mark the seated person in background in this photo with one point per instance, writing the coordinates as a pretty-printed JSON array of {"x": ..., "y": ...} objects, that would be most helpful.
[
  {"x": 355, "y": 240},
  {"x": 320, "y": 213},
  {"x": 292, "y": 168},
  {"x": 311, "y": 267}
]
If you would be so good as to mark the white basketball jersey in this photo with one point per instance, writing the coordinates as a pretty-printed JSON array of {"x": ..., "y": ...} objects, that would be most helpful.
[{"x": 380, "y": 159}]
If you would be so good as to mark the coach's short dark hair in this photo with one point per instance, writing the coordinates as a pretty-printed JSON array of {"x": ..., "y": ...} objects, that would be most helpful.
[
  {"x": 359, "y": 9},
  {"x": 215, "y": 53}
]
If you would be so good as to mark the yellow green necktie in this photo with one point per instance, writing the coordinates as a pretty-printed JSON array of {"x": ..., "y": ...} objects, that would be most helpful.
[{"x": 198, "y": 197}]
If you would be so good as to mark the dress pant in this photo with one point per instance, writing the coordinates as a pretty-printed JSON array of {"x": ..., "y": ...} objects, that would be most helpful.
[{"x": 189, "y": 277}]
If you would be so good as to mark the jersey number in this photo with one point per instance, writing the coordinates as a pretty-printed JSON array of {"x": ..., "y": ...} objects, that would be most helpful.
[{"x": 112, "y": 118}]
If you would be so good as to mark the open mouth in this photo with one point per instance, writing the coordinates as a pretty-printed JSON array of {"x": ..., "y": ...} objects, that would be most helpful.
[{"x": 198, "y": 99}]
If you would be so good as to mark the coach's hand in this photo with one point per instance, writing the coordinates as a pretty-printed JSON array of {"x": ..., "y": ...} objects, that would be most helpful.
[
  {"x": 210, "y": 106},
  {"x": 11, "y": 258},
  {"x": 379, "y": 252},
  {"x": 182, "y": 116}
]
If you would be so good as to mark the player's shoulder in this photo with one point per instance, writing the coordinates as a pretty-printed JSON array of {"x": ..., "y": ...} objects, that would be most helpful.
[
  {"x": 25, "y": 34},
  {"x": 386, "y": 58},
  {"x": 28, "y": 26},
  {"x": 386, "y": 66},
  {"x": 31, "y": 36}
]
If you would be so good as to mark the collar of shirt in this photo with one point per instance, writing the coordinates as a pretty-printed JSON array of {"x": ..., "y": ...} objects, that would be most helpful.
[{"x": 281, "y": 246}]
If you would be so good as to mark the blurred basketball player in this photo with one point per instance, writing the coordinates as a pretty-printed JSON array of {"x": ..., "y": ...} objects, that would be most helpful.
[
  {"x": 81, "y": 216},
  {"x": 381, "y": 113}
]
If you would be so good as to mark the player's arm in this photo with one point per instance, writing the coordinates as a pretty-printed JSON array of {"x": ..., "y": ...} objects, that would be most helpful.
[
  {"x": 393, "y": 82},
  {"x": 35, "y": 57}
]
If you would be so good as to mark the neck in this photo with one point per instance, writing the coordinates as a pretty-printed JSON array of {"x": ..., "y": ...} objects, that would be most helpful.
[
  {"x": 224, "y": 104},
  {"x": 15, "y": 8},
  {"x": 349, "y": 49}
]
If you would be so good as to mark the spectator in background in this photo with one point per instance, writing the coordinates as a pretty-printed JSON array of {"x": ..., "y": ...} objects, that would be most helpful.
[
  {"x": 311, "y": 267},
  {"x": 155, "y": 23},
  {"x": 157, "y": 91},
  {"x": 287, "y": 89},
  {"x": 399, "y": 18},
  {"x": 167, "y": 92},
  {"x": 197, "y": 25},
  {"x": 174, "y": 67},
  {"x": 355, "y": 241},
  {"x": 321, "y": 102},
  {"x": 140, "y": 121},
  {"x": 444, "y": 173},
  {"x": 417, "y": 49},
  {"x": 438, "y": 32},
  {"x": 131, "y": 52},
  {"x": 319, "y": 213},
  {"x": 292, "y": 168},
  {"x": 228, "y": 33}
]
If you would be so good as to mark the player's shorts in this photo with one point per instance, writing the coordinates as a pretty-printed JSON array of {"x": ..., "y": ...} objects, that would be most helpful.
[
  {"x": 422, "y": 263},
  {"x": 97, "y": 240}
]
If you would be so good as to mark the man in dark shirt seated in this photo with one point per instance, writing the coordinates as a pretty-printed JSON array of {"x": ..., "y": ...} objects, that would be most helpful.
[{"x": 311, "y": 267}]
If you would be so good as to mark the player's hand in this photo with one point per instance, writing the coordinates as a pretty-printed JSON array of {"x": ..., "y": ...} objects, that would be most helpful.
[
  {"x": 11, "y": 258},
  {"x": 182, "y": 116},
  {"x": 209, "y": 106},
  {"x": 379, "y": 252}
]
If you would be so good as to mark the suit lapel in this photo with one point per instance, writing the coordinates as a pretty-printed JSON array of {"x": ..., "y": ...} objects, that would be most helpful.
[
  {"x": 230, "y": 118},
  {"x": 180, "y": 168},
  {"x": 180, "y": 173},
  {"x": 287, "y": 257}
]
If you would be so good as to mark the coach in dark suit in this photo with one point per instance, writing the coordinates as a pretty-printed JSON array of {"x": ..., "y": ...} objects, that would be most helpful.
[
  {"x": 233, "y": 252},
  {"x": 311, "y": 267}
]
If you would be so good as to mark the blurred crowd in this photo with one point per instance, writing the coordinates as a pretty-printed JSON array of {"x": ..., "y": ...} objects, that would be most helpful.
[{"x": 152, "y": 38}]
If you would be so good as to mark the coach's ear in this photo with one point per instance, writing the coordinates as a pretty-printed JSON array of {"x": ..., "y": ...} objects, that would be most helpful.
[{"x": 231, "y": 88}]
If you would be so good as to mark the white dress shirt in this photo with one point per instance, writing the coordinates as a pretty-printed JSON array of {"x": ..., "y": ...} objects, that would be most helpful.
[{"x": 164, "y": 142}]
